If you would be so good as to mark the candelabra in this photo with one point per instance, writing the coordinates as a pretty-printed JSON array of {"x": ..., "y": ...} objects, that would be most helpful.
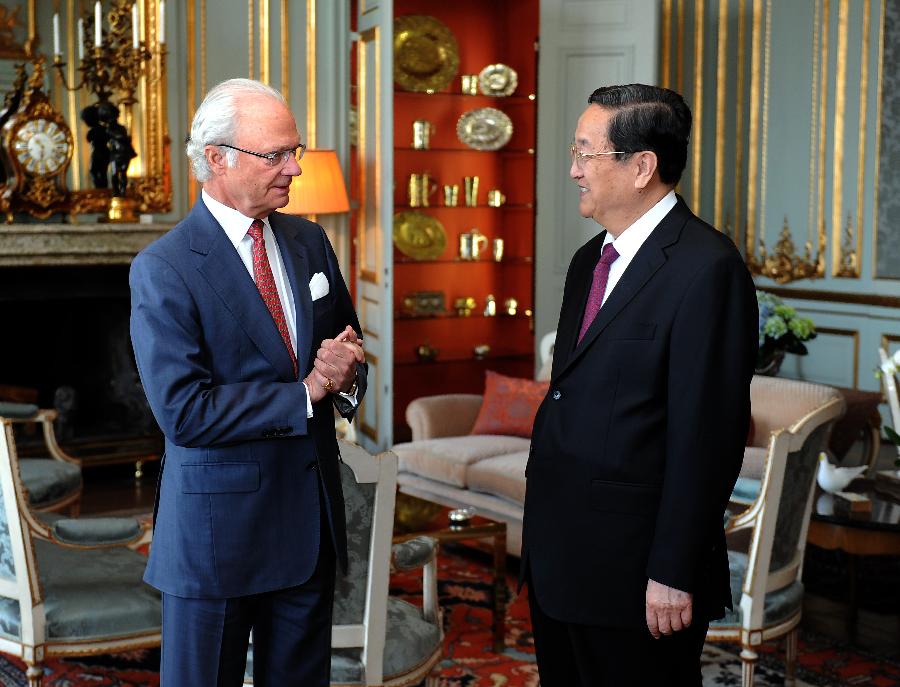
[
  {"x": 114, "y": 65},
  {"x": 118, "y": 58}
]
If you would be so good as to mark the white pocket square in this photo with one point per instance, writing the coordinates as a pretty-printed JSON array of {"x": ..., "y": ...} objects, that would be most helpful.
[{"x": 318, "y": 286}]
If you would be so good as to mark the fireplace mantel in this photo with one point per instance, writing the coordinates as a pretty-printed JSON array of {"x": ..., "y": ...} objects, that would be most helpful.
[{"x": 75, "y": 244}]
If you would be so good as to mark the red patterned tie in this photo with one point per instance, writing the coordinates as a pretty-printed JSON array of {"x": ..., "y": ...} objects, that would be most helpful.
[
  {"x": 598, "y": 287},
  {"x": 265, "y": 282}
]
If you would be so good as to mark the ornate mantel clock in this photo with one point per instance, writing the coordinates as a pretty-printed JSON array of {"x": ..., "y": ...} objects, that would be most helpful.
[{"x": 37, "y": 147}]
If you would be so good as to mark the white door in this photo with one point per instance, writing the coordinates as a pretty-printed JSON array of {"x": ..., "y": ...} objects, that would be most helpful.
[
  {"x": 584, "y": 44},
  {"x": 375, "y": 162}
]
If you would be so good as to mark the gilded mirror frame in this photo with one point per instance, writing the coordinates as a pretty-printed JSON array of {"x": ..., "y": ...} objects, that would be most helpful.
[{"x": 149, "y": 178}]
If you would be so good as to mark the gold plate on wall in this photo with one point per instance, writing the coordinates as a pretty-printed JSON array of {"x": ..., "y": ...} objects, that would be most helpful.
[
  {"x": 426, "y": 56},
  {"x": 484, "y": 129},
  {"x": 419, "y": 236}
]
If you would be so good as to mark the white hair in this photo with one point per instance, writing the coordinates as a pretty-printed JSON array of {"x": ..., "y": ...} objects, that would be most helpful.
[{"x": 215, "y": 121}]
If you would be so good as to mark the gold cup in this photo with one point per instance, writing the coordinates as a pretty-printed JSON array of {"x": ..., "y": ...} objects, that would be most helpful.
[
  {"x": 471, "y": 244},
  {"x": 469, "y": 84},
  {"x": 497, "y": 250},
  {"x": 495, "y": 198},
  {"x": 511, "y": 305},
  {"x": 423, "y": 130},
  {"x": 471, "y": 186},
  {"x": 421, "y": 186},
  {"x": 451, "y": 195}
]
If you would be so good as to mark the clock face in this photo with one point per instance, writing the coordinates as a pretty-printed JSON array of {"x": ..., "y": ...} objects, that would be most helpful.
[{"x": 41, "y": 147}]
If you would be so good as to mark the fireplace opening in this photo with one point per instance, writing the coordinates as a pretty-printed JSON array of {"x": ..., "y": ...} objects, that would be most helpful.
[{"x": 65, "y": 335}]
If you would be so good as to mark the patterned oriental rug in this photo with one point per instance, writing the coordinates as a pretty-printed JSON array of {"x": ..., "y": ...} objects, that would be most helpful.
[{"x": 464, "y": 585}]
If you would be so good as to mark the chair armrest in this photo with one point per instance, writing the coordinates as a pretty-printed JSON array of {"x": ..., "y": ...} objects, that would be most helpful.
[
  {"x": 22, "y": 413},
  {"x": 413, "y": 554},
  {"x": 446, "y": 415},
  {"x": 92, "y": 533}
]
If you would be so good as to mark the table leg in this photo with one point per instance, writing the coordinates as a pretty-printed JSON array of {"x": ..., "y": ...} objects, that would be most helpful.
[
  {"x": 499, "y": 592},
  {"x": 852, "y": 601}
]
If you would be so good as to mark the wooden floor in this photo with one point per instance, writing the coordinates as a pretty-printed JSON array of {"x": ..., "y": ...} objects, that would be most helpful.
[{"x": 113, "y": 490}]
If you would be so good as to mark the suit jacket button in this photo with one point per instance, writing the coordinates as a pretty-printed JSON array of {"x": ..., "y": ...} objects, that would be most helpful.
[
  {"x": 313, "y": 466},
  {"x": 557, "y": 394}
]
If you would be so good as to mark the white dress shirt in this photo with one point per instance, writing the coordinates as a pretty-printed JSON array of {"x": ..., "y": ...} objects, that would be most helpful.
[{"x": 631, "y": 240}]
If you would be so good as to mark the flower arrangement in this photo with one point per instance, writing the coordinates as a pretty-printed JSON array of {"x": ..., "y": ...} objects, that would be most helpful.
[{"x": 781, "y": 331}]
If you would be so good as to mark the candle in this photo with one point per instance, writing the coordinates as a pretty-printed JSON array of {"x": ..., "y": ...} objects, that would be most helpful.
[
  {"x": 56, "y": 50},
  {"x": 162, "y": 22},
  {"x": 98, "y": 30},
  {"x": 81, "y": 39},
  {"x": 134, "y": 26}
]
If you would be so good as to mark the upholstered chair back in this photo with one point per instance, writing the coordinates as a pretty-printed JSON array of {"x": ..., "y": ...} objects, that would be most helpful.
[
  {"x": 795, "y": 504},
  {"x": 776, "y": 403},
  {"x": 350, "y": 589}
]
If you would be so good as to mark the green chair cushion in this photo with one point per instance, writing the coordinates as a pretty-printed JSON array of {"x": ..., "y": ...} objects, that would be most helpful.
[
  {"x": 780, "y": 605},
  {"x": 414, "y": 553},
  {"x": 49, "y": 480},
  {"x": 90, "y": 594},
  {"x": 19, "y": 411},
  {"x": 409, "y": 642},
  {"x": 93, "y": 531}
]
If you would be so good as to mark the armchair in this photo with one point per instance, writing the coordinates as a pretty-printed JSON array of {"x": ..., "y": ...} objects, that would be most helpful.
[
  {"x": 889, "y": 381},
  {"x": 53, "y": 483},
  {"x": 765, "y": 582},
  {"x": 68, "y": 587},
  {"x": 378, "y": 639}
]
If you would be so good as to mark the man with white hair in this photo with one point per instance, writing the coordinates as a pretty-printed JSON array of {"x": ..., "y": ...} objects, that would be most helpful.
[{"x": 245, "y": 335}]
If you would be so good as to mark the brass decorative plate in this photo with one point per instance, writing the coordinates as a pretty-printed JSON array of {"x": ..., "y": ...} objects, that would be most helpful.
[
  {"x": 426, "y": 56},
  {"x": 498, "y": 80},
  {"x": 484, "y": 129},
  {"x": 419, "y": 236}
]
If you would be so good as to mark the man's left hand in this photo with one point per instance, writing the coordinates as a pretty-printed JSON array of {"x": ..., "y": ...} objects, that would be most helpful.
[
  {"x": 337, "y": 358},
  {"x": 668, "y": 609}
]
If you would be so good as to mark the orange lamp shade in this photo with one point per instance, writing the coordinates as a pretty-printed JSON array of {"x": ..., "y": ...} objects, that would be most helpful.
[{"x": 320, "y": 189}]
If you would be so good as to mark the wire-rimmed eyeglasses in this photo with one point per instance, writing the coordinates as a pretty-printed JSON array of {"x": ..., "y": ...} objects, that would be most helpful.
[
  {"x": 578, "y": 157},
  {"x": 275, "y": 158}
]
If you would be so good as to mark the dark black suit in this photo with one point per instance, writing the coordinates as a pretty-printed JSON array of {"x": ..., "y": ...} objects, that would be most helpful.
[{"x": 639, "y": 441}]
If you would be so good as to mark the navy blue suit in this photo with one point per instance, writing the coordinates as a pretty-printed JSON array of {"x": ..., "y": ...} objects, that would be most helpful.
[{"x": 249, "y": 488}]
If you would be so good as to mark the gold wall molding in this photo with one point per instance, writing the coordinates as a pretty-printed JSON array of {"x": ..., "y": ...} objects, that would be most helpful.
[
  {"x": 878, "y": 102},
  {"x": 739, "y": 118},
  {"x": 823, "y": 105},
  {"x": 874, "y": 299},
  {"x": 264, "y": 60},
  {"x": 665, "y": 68},
  {"x": 285, "y": 51},
  {"x": 847, "y": 257},
  {"x": 311, "y": 73},
  {"x": 785, "y": 265},
  {"x": 369, "y": 228},
  {"x": 753, "y": 161},
  {"x": 251, "y": 40},
  {"x": 853, "y": 335},
  {"x": 837, "y": 163},
  {"x": 813, "y": 118},
  {"x": 679, "y": 48},
  {"x": 863, "y": 116},
  {"x": 697, "y": 138},
  {"x": 721, "y": 81}
]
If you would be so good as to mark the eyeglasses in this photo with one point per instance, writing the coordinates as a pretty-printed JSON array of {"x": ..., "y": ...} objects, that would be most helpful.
[
  {"x": 276, "y": 158},
  {"x": 578, "y": 157}
]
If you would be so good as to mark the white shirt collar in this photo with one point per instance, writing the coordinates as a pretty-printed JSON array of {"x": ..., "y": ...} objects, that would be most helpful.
[
  {"x": 233, "y": 222},
  {"x": 630, "y": 240}
]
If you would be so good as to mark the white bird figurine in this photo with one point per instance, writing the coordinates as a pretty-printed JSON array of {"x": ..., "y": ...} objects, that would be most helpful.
[{"x": 832, "y": 478}]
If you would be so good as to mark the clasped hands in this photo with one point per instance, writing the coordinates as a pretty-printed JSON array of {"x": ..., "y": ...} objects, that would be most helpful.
[
  {"x": 334, "y": 369},
  {"x": 668, "y": 609}
]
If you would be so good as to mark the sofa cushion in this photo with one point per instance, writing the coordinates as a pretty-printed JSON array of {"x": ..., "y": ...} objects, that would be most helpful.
[
  {"x": 501, "y": 476},
  {"x": 446, "y": 459},
  {"x": 509, "y": 405}
]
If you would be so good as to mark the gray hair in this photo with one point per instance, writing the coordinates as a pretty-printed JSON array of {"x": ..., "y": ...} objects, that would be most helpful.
[{"x": 216, "y": 119}]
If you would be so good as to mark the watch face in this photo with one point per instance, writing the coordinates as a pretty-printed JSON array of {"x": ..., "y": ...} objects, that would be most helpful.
[{"x": 41, "y": 147}]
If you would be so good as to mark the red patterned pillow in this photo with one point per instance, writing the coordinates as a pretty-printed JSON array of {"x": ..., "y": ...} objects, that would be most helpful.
[{"x": 509, "y": 405}]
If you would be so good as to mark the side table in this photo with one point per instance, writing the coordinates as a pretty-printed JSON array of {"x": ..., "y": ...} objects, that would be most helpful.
[{"x": 415, "y": 517}]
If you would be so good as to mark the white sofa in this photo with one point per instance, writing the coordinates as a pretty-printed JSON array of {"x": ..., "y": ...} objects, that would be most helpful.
[{"x": 446, "y": 464}]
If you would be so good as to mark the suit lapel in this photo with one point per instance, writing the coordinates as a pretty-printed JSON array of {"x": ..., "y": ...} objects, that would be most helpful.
[
  {"x": 222, "y": 267},
  {"x": 571, "y": 316},
  {"x": 649, "y": 258},
  {"x": 296, "y": 262}
]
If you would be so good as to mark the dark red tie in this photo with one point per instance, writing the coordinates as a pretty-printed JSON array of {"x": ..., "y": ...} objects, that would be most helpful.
[
  {"x": 598, "y": 287},
  {"x": 265, "y": 282}
]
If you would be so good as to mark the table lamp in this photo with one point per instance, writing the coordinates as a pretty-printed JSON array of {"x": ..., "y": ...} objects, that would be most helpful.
[{"x": 320, "y": 190}]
